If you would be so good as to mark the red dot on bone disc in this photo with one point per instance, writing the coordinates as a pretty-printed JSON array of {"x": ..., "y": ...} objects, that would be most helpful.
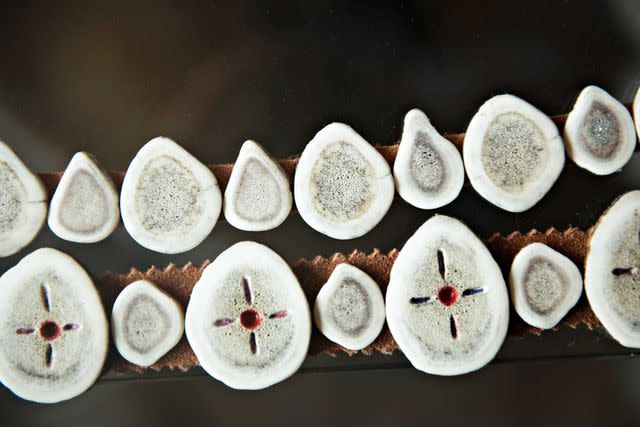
[
  {"x": 447, "y": 295},
  {"x": 49, "y": 330},
  {"x": 250, "y": 319}
]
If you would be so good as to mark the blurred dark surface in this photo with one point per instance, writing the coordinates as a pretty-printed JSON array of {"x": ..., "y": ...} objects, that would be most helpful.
[{"x": 108, "y": 77}]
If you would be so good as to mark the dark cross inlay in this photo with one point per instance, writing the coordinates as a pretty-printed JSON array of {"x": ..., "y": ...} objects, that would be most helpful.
[
  {"x": 472, "y": 291},
  {"x": 48, "y": 356},
  {"x": 253, "y": 343},
  {"x": 44, "y": 294},
  {"x": 49, "y": 330},
  {"x": 250, "y": 319},
  {"x": 419, "y": 300},
  {"x": 623, "y": 271},
  {"x": 223, "y": 322},
  {"x": 279, "y": 314},
  {"x": 453, "y": 327},
  {"x": 246, "y": 287},
  {"x": 441, "y": 264},
  {"x": 447, "y": 294}
]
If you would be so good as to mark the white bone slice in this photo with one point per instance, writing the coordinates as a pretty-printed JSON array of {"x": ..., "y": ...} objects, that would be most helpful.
[
  {"x": 428, "y": 170},
  {"x": 599, "y": 132},
  {"x": 258, "y": 196},
  {"x": 170, "y": 201},
  {"x": 84, "y": 208},
  {"x": 636, "y": 112},
  {"x": 612, "y": 269},
  {"x": 24, "y": 203},
  {"x": 544, "y": 285},
  {"x": 53, "y": 330},
  {"x": 146, "y": 323},
  {"x": 343, "y": 186},
  {"x": 447, "y": 302},
  {"x": 248, "y": 320},
  {"x": 349, "y": 309},
  {"x": 512, "y": 153}
]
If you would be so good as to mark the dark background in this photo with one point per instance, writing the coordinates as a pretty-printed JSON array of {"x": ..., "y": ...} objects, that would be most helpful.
[{"x": 108, "y": 77}]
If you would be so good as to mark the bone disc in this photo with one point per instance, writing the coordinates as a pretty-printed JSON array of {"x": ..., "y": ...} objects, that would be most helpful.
[
  {"x": 248, "y": 320},
  {"x": 447, "y": 302},
  {"x": 428, "y": 170},
  {"x": 257, "y": 197},
  {"x": 544, "y": 285},
  {"x": 349, "y": 309},
  {"x": 512, "y": 153},
  {"x": 599, "y": 132},
  {"x": 636, "y": 112},
  {"x": 343, "y": 186},
  {"x": 53, "y": 330},
  {"x": 23, "y": 200},
  {"x": 170, "y": 201},
  {"x": 84, "y": 208},
  {"x": 612, "y": 269},
  {"x": 146, "y": 323}
]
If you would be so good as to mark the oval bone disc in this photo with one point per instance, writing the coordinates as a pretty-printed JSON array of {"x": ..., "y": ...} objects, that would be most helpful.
[
  {"x": 257, "y": 197},
  {"x": 512, "y": 153},
  {"x": 23, "y": 200},
  {"x": 248, "y": 320},
  {"x": 53, "y": 330},
  {"x": 544, "y": 285},
  {"x": 612, "y": 269},
  {"x": 170, "y": 201},
  {"x": 146, "y": 323},
  {"x": 428, "y": 169},
  {"x": 599, "y": 132},
  {"x": 349, "y": 309},
  {"x": 343, "y": 186},
  {"x": 84, "y": 208},
  {"x": 447, "y": 302}
]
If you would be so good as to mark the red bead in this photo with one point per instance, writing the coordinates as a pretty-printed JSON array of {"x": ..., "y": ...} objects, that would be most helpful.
[
  {"x": 447, "y": 295},
  {"x": 250, "y": 319}
]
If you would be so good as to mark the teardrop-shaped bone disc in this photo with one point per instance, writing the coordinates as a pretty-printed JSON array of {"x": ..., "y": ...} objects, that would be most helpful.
[
  {"x": 349, "y": 309},
  {"x": 53, "y": 330},
  {"x": 544, "y": 285},
  {"x": 512, "y": 153},
  {"x": 146, "y": 323},
  {"x": 447, "y": 302},
  {"x": 23, "y": 200},
  {"x": 599, "y": 132},
  {"x": 170, "y": 201},
  {"x": 258, "y": 196},
  {"x": 428, "y": 170},
  {"x": 248, "y": 320},
  {"x": 612, "y": 269},
  {"x": 84, "y": 208},
  {"x": 343, "y": 186}
]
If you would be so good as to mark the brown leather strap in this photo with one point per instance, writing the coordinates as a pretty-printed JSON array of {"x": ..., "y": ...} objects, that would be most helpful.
[
  {"x": 222, "y": 172},
  {"x": 315, "y": 272}
]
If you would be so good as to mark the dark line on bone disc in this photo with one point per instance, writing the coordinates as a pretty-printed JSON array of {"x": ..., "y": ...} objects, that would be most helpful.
[
  {"x": 44, "y": 294},
  {"x": 472, "y": 291},
  {"x": 454, "y": 328},
  {"x": 419, "y": 300},
  {"x": 441, "y": 266},
  {"x": 49, "y": 356},
  {"x": 71, "y": 327},
  {"x": 223, "y": 322},
  {"x": 246, "y": 286},
  {"x": 279, "y": 314},
  {"x": 621, "y": 271},
  {"x": 253, "y": 343},
  {"x": 24, "y": 331}
]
